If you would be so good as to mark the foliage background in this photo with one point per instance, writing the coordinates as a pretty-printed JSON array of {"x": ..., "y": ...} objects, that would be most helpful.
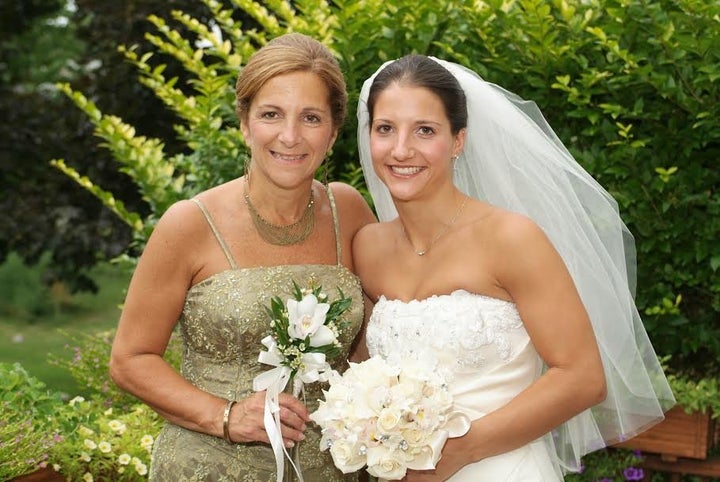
[{"x": 630, "y": 86}]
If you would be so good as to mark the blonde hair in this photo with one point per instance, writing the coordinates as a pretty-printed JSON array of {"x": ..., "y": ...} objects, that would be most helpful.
[{"x": 292, "y": 52}]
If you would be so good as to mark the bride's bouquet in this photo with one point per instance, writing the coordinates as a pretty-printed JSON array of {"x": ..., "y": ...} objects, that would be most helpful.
[{"x": 386, "y": 417}]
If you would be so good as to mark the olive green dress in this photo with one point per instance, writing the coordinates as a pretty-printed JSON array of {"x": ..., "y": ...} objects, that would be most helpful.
[{"x": 222, "y": 324}]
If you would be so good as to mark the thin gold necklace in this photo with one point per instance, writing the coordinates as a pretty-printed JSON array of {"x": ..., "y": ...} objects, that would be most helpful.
[
  {"x": 443, "y": 231},
  {"x": 287, "y": 235}
]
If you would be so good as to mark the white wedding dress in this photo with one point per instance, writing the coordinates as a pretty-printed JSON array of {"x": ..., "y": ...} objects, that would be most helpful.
[{"x": 481, "y": 347}]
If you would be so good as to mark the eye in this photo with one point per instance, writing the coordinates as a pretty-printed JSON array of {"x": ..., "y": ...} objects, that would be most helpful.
[
  {"x": 269, "y": 114},
  {"x": 383, "y": 128},
  {"x": 312, "y": 118},
  {"x": 426, "y": 130}
]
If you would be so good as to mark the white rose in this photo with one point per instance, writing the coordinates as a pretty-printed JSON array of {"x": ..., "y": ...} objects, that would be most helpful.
[
  {"x": 346, "y": 456},
  {"x": 389, "y": 420},
  {"x": 307, "y": 318},
  {"x": 385, "y": 464},
  {"x": 414, "y": 437}
]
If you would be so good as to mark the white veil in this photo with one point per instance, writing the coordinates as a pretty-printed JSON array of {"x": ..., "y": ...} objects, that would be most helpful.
[{"x": 513, "y": 159}]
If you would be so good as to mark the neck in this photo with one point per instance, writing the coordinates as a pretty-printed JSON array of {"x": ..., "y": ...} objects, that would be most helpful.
[
  {"x": 278, "y": 205},
  {"x": 424, "y": 223}
]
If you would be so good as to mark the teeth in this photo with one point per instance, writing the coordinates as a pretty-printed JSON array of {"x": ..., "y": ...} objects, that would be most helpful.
[
  {"x": 406, "y": 171},
  {"x": 296, "y": 157}
]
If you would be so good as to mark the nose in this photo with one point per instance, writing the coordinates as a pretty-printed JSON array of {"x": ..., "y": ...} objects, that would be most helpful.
[
  {"x": 403, "y": 148},
  {"x": 290, "y": 133}
]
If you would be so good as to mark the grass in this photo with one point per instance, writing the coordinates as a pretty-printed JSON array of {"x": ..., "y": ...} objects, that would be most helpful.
[{"x": 31, "y": 342}]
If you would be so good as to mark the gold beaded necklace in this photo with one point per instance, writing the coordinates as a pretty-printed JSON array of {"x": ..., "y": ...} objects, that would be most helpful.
[{"x": 287, "y": 235}]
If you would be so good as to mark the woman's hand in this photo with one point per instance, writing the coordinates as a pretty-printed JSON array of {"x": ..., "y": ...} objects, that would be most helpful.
[
  {"x": 453, "y": 459},
  {"x": 247, "y": 419}
]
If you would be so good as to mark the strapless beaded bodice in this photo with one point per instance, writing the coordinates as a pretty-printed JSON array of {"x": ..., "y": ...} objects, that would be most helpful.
[{"x": 479, "y": 344}]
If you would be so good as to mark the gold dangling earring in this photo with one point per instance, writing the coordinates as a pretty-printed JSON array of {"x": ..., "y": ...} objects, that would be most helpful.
[{"x": 246, "y": 169}]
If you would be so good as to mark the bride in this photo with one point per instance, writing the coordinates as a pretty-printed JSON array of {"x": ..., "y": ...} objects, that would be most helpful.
[{"x": 504, "y": 264}]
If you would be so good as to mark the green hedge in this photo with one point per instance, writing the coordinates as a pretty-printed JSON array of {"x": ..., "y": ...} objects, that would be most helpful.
[{"x": 630, "y": 86}]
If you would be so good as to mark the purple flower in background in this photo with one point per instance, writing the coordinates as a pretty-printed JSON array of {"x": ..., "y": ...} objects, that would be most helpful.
[{"x": 633, "y": 473}]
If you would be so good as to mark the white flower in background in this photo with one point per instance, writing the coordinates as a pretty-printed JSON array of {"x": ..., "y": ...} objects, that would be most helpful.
[
  {"x": 124, "y": 459},
  {"x": 104, "y": 447},
  {"x": 88, "y": 477},
  {"x": 307, "y": 318},
  {"x": 85, "y": 431},
  {"x": 90, "y": 444},
  {"x": 141, "y": 469},
  {"x": 117, "y": 426},
  {"x": 147, "y": 441},
  {"x": 85, "y": 457},
  {"x": 76, "y": 400}
]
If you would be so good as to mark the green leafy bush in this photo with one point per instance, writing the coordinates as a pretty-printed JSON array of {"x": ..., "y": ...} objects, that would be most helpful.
[
  {"x": 101, "y": 443},
  {"x": 27, "y": 431},
  {"x": 630, "y": 86},
  {"x": 24, "y": 294},
  {"x": 609, "y": 465}
]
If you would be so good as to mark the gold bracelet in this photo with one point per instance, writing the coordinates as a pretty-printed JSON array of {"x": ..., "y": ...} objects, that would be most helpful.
[{"x": 226, "y": 421}]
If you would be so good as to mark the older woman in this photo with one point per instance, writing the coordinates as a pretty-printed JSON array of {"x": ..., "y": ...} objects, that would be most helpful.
[{"x": 213, "y": 262}]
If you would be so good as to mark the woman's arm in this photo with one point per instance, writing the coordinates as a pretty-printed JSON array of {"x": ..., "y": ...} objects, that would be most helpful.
[
  {"x": 532, "y": 272},
  {"x": 154, "y": 302}
]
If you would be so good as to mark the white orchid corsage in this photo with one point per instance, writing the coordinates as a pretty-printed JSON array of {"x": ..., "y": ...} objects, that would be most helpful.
[{"x": 304, "y": 336}]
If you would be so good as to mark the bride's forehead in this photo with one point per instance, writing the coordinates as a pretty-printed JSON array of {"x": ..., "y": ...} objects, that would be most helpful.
[{"x": 408, "y": 96}]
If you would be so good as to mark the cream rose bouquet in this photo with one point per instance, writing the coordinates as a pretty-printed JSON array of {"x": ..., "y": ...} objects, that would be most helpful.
[
  {"x": 304, "y": 336},
  {"x": 387, "y": 418}
]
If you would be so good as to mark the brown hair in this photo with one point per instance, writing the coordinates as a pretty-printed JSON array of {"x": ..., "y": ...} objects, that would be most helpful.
[
  {"x": 422, "y": 71},
  {"x": 292, "y": 52}
]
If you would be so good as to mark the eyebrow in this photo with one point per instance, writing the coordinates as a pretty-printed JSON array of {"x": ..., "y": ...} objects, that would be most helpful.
[
  {"x": 304, "y": 109},
  {"x": 419, "y": 122}
]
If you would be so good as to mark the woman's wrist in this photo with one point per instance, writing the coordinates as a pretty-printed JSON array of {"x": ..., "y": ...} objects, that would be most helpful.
[{"x": 226, "y": 420}]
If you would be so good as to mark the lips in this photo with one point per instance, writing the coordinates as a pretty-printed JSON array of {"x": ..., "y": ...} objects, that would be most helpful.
[{"x": 406, "y": 170}]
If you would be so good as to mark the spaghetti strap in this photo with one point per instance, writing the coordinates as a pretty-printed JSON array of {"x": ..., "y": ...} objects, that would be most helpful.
[
  {"x": 215, "y": 231},
  {"x": 336, "y": 223}
]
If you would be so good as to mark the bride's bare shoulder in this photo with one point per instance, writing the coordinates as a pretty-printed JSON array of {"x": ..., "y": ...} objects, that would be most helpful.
[{"x": 505, "y": 229}]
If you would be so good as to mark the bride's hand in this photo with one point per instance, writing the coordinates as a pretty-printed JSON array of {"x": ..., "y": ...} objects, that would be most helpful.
[
  {"x": 247, "y": 419},
  {"x": 453, "y": 459}
]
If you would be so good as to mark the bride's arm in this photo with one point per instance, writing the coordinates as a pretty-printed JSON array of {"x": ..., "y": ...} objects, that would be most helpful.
[{"x": 532, "y": 272}]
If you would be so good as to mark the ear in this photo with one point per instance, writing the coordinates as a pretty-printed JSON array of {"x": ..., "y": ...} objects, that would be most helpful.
[
  {"x": 333, "y": 138},
  {"x": 459, "y": 142},
  {"x": 245, "y": 132}
]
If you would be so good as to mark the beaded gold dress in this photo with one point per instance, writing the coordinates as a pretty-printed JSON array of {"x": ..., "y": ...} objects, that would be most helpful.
[{"x": 221, "y": 325}]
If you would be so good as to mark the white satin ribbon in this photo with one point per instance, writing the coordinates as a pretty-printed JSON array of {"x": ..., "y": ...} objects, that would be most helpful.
[{"x": 315, "y": 368}]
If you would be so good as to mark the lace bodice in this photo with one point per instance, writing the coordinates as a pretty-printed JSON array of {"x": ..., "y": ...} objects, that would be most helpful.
[
  {"x": 479, "y": 344},
  {"x": 472, "y": 340}
]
